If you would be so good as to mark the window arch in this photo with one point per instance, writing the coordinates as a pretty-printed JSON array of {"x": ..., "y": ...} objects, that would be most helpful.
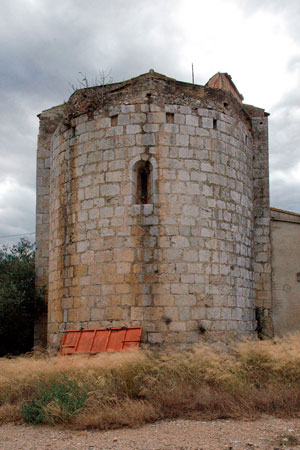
[
  {"x": 143, "y": 182},
  {"x": 143, "y": 178}
]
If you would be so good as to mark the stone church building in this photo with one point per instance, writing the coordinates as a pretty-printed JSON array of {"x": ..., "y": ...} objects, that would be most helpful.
[{"x": 153, "y": 210}]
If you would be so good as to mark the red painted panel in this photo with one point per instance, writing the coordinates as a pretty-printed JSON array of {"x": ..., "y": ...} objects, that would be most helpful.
[
  {"x": 133, "y": 335},
  {"x": 84, "y": 341},
  {"x": 69, "y": 342},
  {"x": 101, "y": 340},
  {"x": 115, "y": 343}
]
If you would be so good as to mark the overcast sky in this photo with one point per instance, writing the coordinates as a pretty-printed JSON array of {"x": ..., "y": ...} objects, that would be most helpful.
[{"x": 46, "y": 44}]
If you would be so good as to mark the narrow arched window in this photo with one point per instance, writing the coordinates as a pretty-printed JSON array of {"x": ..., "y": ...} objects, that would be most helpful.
[{"x": 143, "y": 173}]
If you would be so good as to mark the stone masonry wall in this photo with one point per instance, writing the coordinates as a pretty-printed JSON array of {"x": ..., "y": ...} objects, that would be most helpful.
[
  {"x": 262, "y": 243},
  {"x": 285, "y": 238},
  {"x": 49, "y": 121},
  {"x": 179, "y": 266}
]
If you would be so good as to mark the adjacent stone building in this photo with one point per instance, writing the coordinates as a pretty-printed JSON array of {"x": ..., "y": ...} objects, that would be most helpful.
[
  {"x": 285, "y": 262},
  {"x": 153, "y": 210}
]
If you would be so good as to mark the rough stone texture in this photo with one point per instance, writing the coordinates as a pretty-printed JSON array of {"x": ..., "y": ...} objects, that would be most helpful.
[
  {"x": 196, "y": 257},
  {"x": 224, "y": 81},
  {"x": 49, "y": 121},
  {"x": 285, "y": 238},
  {"x": 262, "y": 244}
]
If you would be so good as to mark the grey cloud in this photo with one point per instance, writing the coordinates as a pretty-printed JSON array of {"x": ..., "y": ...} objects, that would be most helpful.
[
  {"x": 285, "y": 152},
  {"x": 289, "y": 11},
  {"x": 17, "y": 209},
  {"x": 284, "y": 196},
  {"x": 44, "y": 44},
  {"x": 285, "y": 115}
]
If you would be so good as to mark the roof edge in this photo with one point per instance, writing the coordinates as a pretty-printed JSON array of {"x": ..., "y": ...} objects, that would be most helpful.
[
  {"x": 222, "y": 80},
  {"x": 282, "y": 215}
]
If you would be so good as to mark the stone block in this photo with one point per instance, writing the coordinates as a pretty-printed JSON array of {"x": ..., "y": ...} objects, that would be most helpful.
[
  {"x": 133, "y": 129},
  {"x": 182, "y": 140},
  {"x": 115, "y": 176},
  {"x": 184, "y": 313},
  {"x": 148, "y": 139},
  {"x": 185, "y": 109},
  {"x": 137, "y": 313},
  {"x": 207, "y": 122},
  {"x": 191, "y": 210},
  {"x": 177, "y": 326},
  {"x": 186, "y": 152},
  {"x": 110, "y": 190},
  {"x": 183, "y": 175},
  {"x": 156, "y": 117},
  {"x": 179, "y": 289},
  {"x": 127, "y": 108},
  {"x": 82, "y": 246},
  {"x": 187, "y": 129},
  {"x": 107, "y": 143},
  {"x": 155, "y": 338},
  {"x": 185, "y": 300},
  {"x": 170, "y": 128},
  {"x": 123, "y": 267},
  {"x": 117, "y": 164},
  {"x": 150, "y": 128},
  {"x": 113, "y": 313},
  {"x": 192, "y": 120},
  {"x": 213, "y": 313},
  {"x": 163, "y": 300},
  {"x": 124, "y": 254},
  {"x": 114, "y": 131},
  {"x": 171, "y": 313},
  {"x": 123, "y": 119}
]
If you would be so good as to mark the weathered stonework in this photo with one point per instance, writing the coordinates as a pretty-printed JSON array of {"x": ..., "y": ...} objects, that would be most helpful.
[
  {"x": 196, "y": 256},
  {"x": 49, "y": 121},
  {"x": 285, "y": 238}
]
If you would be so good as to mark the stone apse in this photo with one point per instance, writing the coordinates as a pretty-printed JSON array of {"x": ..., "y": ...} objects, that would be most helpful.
[{"x": 153, "y": 210}]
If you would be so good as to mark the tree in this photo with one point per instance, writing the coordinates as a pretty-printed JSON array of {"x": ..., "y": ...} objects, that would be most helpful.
[{"x": 20, "y": 302}]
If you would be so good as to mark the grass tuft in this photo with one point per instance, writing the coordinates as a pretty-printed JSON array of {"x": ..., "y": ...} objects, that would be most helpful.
[{"x": 54, "y": 403}]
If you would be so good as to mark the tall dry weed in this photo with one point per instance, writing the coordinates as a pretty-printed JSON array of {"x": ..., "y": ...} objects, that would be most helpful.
[{"x": 131, "y": 388}]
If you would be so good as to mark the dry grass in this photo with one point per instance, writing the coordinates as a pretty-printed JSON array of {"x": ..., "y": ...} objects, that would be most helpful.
[{"x": 132, "y": 388}]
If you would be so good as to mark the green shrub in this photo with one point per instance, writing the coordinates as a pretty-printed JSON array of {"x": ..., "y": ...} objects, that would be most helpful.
[
  {"x": 20, "y": 303},
  {"x": 55, "y": 403}
]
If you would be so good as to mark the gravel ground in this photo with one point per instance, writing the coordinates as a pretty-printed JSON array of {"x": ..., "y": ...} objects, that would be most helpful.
[{"x": 267, "y": 433}]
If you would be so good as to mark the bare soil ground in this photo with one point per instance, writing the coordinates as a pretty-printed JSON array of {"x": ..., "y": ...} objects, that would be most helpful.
[{"x": 267, "y": 433}]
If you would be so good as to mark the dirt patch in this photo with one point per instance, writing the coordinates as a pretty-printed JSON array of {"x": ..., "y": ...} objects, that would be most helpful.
[{"x": 267, "y": 434}]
